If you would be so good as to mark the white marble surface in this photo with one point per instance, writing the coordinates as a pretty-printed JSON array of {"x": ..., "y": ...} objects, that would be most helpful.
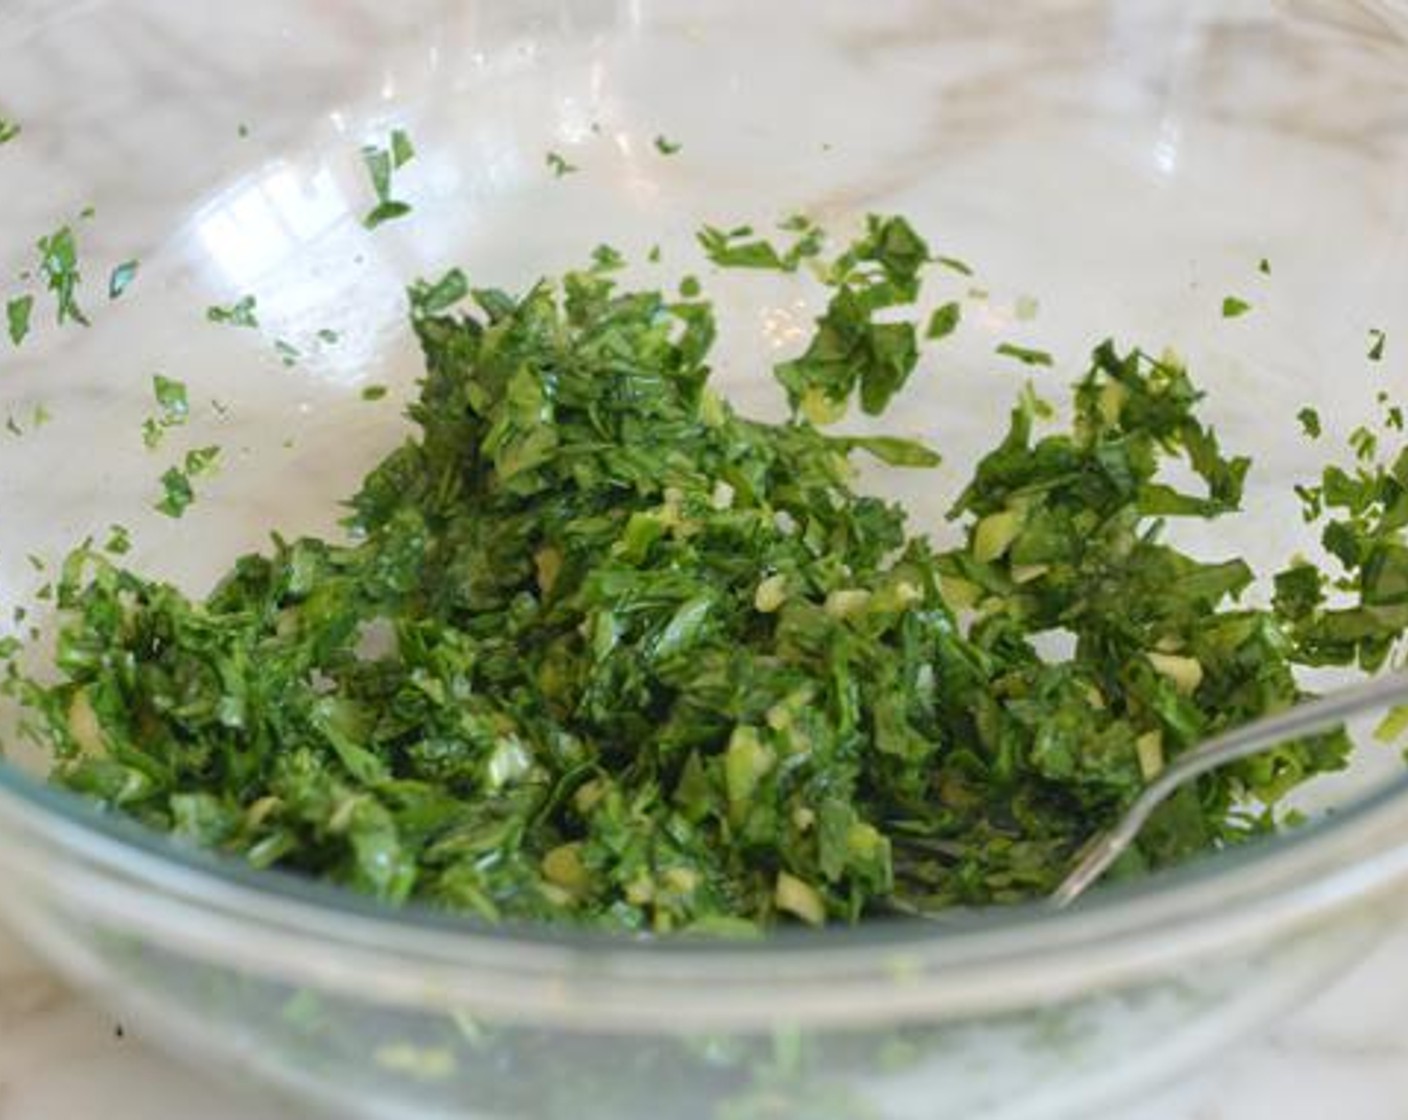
[
  {"x": 1343, "y": 1054},
  {"x": 1128, "y": 161}
]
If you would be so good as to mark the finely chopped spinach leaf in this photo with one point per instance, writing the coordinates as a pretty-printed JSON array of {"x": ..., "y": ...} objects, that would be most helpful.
[{"x": 599, "y": 649}]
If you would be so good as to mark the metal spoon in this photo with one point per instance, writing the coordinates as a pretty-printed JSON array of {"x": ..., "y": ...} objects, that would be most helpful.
[{"x": 1253, "y": 738}]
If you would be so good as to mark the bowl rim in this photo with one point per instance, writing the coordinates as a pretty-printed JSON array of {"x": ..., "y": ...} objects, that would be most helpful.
[{"x": 205, "y": 905}]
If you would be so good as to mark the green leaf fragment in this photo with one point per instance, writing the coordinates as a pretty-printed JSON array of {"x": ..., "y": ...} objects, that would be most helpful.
[
  {"x": 1025, "y": 355},
  {"x": 171, "y": 396},
  {"x": 1233, "y": 307},
  {"x": 58, "y": 265},
  {"x": 401, "y": 149},
  {"x": 119, "y": 541},
  {"x": 1377, "y": 341},
  {"x": 1393, "y": 726},
  {"x": 121, "y": 277},
  {"x": 739, "y": 247},
  {"x": 241, "y": 313},
  {"x": 953, "y": 264},
  {"x": 435, "y": 298},
  {"x": 381, "y": 164},
  {"x": 386, "y": 211},
  {"x": 17, "y": 315},
  {"x": 200, "y": 461},
  {"x": 944, "y": 321},
  {"x": 607, "y": 259},
  {"x": 177, "y": 494}
]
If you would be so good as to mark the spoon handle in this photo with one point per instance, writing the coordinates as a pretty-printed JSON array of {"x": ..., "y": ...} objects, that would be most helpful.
[{"x": 1252, "y": 738}]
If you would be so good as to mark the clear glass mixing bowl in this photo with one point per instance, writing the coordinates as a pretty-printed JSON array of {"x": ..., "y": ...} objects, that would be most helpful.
[{"x": 1128, "y": 162}]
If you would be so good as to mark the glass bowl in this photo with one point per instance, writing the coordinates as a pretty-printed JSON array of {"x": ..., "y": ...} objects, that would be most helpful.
[{"x": 1124, "y": 165}]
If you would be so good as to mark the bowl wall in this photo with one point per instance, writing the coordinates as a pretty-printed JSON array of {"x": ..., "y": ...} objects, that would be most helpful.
[{"x": 1117, "y": 166}]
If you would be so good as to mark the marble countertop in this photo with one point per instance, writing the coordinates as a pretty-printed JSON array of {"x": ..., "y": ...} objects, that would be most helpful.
[
  {"x": 220, "y": 145},
  {"x": 1344, "y": 1053}
]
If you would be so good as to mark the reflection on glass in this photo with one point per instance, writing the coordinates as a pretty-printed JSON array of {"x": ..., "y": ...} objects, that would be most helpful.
[{"x": 291, "y": 237}]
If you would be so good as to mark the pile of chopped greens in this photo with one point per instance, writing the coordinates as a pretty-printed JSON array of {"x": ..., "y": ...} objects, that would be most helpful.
[{"x": 599, "y": 649}]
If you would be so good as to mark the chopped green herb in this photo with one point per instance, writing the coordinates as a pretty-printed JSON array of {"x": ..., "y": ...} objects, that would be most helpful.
[
  {"x": 381, "y": 164},
  {"x": 690, "y": 287},
  {"x": 328, "y": 336},
  {"x": 1025, "y": 355},
  {"x": 121, "y": 277},
  {"x": 1264, "y": 267},
  {"x": 1309, "y": 422},
  {"x": 733, "y": 249},
  {"x": 429, "y": 299},
  {"x": 740, "y": 248},
  {"x": 58, "y": 265},
  {"x": 1393, "y": 726},
  {"x": 402, "y": 152},
  {"x": 1233, "y": 308},
  {"x": 177, "y": 494},
  {"x": 385, "y": 212},
  {"x": 851, "y": 350},
  {"x": 666, "y": 147},
  {"x": 953, "y": 264},
  {"x": 654, "y": 255},
  {"x": 8, "y": 130},
  {"x": 17, "y": 316},
  {"x": 1378, "y": 339},
  {"x": 607, "y": 259},
  {"x": 656, "y": 666},
  {"x": 171, "y": 396},
  {"x": 1364, "y": 443},
  {"x": 287, "y": 351},
  {"x": 200, "y": 461},
  {"x": 119, "y": 541},
  {"x": 241, "y": 313},
  {"x": 374, "y": 392},
  {"x": 944, "y": 321},
  {"x": 559, "y": 165},
  {"x": 175, "y": 409}
]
